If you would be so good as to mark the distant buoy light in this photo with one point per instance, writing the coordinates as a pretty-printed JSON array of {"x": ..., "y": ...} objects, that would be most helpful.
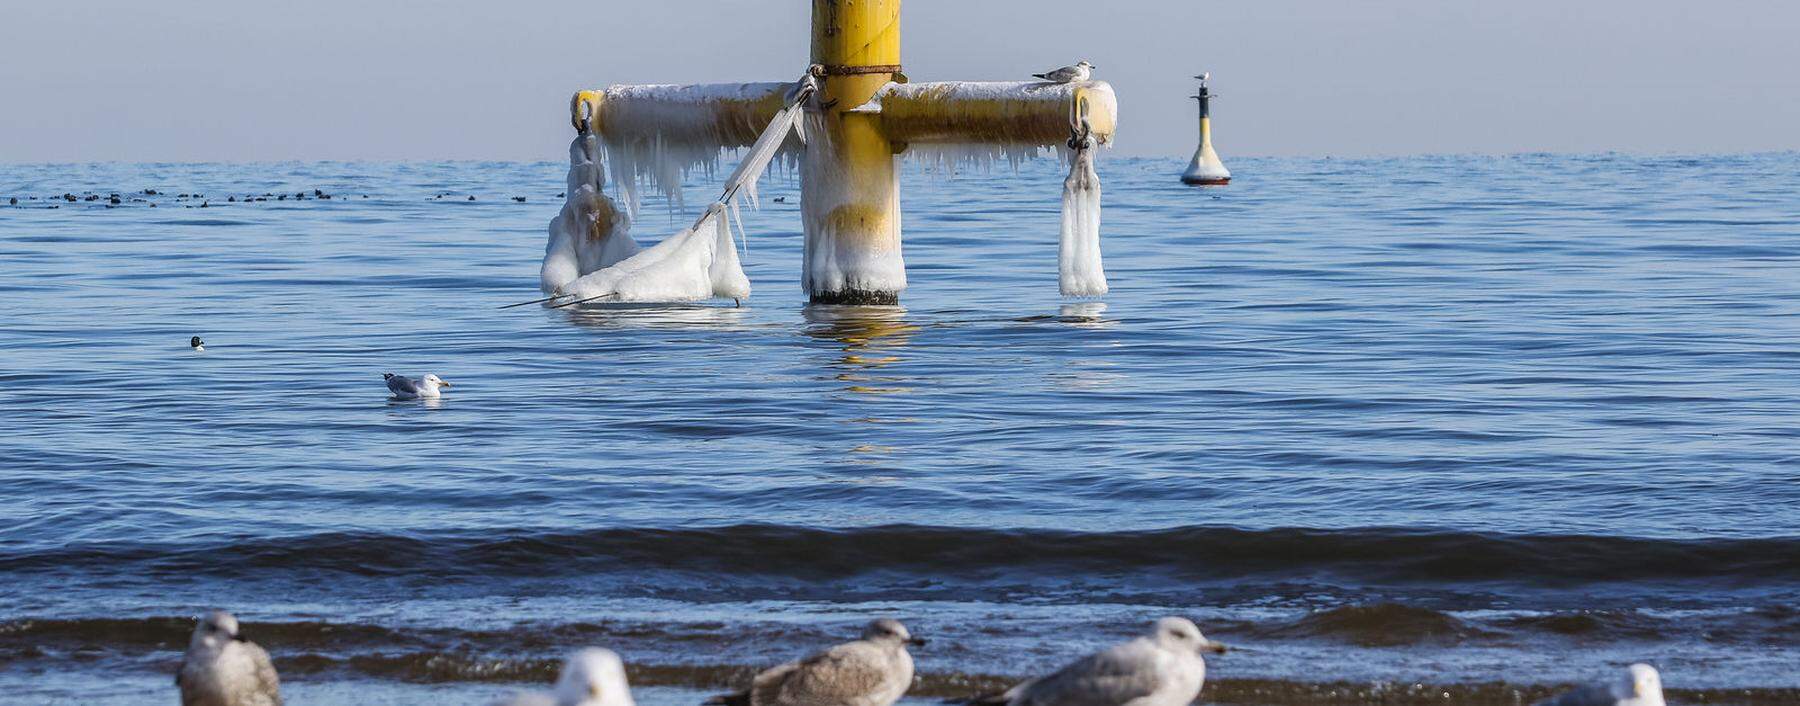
[{"x": 1205, "y": 169}]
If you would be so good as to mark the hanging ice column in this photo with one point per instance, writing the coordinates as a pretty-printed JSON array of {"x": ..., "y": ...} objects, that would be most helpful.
[{"x": 864, "y": 114}]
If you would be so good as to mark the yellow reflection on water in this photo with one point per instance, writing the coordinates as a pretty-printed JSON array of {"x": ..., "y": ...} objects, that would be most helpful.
[{"x": 872, "y": 337}]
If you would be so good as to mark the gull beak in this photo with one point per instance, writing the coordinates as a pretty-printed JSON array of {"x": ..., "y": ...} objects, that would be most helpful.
[
  {"x": 1217, "y": 648},
  {"x": 916, "y": 642},
  {"x": 443, "y": 383}
]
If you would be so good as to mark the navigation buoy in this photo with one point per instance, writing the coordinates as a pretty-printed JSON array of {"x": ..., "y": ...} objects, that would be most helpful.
[{"x": 1206, "y": 167}]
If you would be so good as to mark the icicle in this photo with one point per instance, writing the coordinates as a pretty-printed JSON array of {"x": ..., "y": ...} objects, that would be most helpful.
[
  {"x": 952, "y": 158},
  {"x": 1078, "y": 257},
  {"x": 738, "y": 218},
  {"x": 757, "y": 158}
]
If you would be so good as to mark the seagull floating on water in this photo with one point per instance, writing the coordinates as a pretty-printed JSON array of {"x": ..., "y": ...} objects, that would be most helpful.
[
  {"x": 873, "y": 671},
  {"x": 1163, "y": 668},
  {"x": 1069, "y": 74},
  {"x": 197, "y": 344},
  {"x": 591, "y": 677},
  {"x": 221, "y": 668},
  {"x": 405, "y": 388},
  {"x": 1640, "y": 685}
]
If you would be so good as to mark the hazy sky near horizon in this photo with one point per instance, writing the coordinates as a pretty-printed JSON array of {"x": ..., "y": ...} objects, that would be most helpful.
[{"x": 457, "y": 79}]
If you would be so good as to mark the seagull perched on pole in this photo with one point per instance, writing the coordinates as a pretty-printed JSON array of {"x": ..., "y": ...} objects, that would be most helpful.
[
  {"x": 405, "y": 388},
  {"x": 1069, "y": 74}
]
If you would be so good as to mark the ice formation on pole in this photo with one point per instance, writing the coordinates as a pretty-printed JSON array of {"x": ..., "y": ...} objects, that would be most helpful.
[
  {"x": 657, "y": 135},
  {"x": 952, "y": 125},
  {"x": 590, "y": 233},
  {"x": 700, "y": 261},
  {"x": 834, "y": 261},
  {"x": 1078, "y": 255}
]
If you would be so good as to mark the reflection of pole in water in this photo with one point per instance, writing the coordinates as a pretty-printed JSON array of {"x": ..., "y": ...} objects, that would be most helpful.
[
  {"x": 1085, "y": 314},
  {"x": 870, "y": 335}
]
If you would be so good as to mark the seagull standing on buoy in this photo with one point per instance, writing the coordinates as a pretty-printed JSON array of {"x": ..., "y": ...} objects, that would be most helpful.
[
  {"x": 405, "y": 388},
  {"x": 1205, "y": 168},
  {"x": 1069, "y": 74}
]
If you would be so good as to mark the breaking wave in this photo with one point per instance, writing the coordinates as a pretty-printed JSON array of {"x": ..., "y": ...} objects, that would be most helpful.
[{"x": 955, "y": 554}]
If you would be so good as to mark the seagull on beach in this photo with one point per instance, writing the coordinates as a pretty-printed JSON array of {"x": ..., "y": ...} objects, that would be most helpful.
[
  {"x": 197, "y": 344},
  {"x": 405, "y": 388},
  {"x": 221, "y": 668},
  {"x": 1069, "y": 74},
  {"x": 1163, "y": 668},
  {"x": 591, "y": 677},
  {"x": 873, "y": 671},
  {"x": 1640, "y": 685}
]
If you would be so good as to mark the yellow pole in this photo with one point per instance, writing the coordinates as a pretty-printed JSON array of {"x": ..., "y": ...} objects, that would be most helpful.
[{"x": 850, "y": 192}]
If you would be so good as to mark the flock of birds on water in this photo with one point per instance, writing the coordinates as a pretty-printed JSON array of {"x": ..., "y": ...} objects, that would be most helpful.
[
  {"x": 199, "y": 200},
  {"x": 1080, "y": 71},
  {"x": 1165, "y": 667}
]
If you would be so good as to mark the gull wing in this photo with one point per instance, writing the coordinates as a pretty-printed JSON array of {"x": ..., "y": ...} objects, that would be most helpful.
[
  {"x": 402, "y": 385},
  {"x": 268, "y": 685},
  {"x": 1107, "y": 678},
  {"x": 845, "y": 674}
]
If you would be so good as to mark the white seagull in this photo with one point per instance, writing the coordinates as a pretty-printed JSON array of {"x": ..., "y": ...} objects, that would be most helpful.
[
  {"x": 873, "y": 671},
  {"x": 405, "y": 388},
  {"x": 591, "y": 677},
  {"x": 1163, "y": 668},
  {"x": 1640, "y": 685},
  {"x": 221, "y": 668},
  {"x": 1069, "y": 74}
]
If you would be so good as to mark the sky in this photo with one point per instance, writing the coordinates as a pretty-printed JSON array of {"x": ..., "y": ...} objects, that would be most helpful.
[{"x": 103, "y": 80}]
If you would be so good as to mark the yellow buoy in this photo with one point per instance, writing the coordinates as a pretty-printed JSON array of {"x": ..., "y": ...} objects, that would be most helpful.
[{"x": 1205, "y": 167}]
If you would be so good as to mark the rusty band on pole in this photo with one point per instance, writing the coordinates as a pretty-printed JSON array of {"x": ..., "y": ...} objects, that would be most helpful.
[{"x": 837, "y": 70}]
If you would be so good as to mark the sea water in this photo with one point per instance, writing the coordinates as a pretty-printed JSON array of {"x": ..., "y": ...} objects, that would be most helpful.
[{"x": 1396, "y": 428}]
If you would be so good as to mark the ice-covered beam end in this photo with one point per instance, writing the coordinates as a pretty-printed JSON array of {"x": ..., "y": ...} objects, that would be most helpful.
[
  {"x": 1027, "y": 115},
  {"x": 655, "y": 134}
]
